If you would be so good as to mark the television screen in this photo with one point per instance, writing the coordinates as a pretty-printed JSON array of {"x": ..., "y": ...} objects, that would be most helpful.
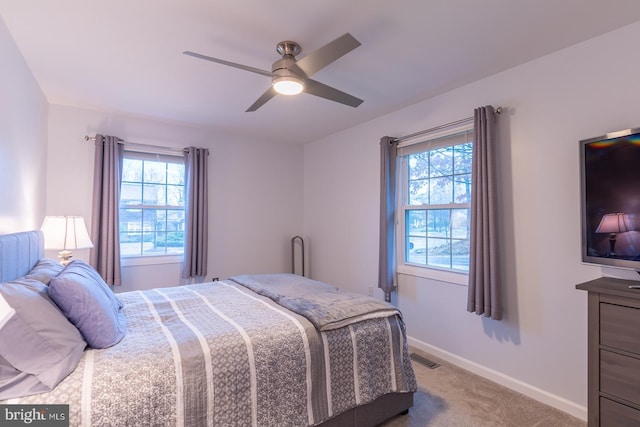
[{"x": 610, "y": 166}]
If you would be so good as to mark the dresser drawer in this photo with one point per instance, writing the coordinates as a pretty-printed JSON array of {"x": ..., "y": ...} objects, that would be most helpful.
[
  {"x": 613, "y": 414},
  {"x": 619, "y": 327},
  {"x": 620, "y": 376}
]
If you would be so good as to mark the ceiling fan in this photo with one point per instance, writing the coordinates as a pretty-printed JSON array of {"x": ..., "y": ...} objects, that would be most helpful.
[{"x": 290, "y": 76}]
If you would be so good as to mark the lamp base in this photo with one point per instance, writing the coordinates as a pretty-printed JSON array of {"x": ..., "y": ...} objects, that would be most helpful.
[
  {"x": 612, "y": 244},
  {"x": 65, "y": 257}
]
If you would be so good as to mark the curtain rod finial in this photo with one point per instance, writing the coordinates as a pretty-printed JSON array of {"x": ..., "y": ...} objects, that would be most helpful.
[{"x": 498, "y": 110}]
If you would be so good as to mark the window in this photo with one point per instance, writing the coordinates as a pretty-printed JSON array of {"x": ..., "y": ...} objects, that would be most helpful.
[
  {"x": 435, "y": 200},
  {"x": 152, "y": 205}
]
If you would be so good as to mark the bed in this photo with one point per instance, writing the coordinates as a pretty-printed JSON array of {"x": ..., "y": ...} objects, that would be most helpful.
[{"x": 254, "y": 350}]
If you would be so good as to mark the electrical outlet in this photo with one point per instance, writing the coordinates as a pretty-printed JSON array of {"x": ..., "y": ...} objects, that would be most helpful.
[{"x": 370, "y": 291}]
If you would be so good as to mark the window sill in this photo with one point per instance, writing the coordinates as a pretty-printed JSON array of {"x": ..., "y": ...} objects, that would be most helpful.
[
  {"x": 150, "y": 260},
  {"x": 454, "y": 278}
]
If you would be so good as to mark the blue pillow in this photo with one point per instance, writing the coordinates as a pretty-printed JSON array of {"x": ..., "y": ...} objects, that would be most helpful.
[
  {"x": 88, "y": 302},
  {"x": 39, "y": 347},
  {"x": 44, "y": 270}
]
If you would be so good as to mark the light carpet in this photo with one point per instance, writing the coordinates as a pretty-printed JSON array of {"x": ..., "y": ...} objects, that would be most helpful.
[{"x": 449, "y": 396}]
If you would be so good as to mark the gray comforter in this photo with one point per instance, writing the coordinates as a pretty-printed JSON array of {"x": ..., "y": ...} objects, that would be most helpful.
[{"x": 220, "y": 354}]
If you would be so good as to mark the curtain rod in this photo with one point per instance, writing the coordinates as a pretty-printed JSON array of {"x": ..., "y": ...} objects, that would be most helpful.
[
  {"x": 498, "y": 110},
  {"x": 134, "y": 144}
]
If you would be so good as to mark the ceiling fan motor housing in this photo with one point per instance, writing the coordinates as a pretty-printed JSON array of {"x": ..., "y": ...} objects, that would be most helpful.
[
  {"x": 281, "y": 67},
  {"x": 288, "y": 47}
]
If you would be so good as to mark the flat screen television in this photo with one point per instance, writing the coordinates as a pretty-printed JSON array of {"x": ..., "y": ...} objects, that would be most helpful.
[{"x": 610, "y": 202}]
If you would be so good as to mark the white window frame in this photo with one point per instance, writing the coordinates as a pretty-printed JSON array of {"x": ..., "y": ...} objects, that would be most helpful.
[
  {"x": 430, "y": 141},
  {"x": 151, "y": 259}
]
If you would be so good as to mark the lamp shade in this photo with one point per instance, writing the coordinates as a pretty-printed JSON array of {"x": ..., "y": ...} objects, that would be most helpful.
[
  {"x": 66, "y": 233},
  {"x": 6, "y": 311},
  {"x": 614, "y": 223}
]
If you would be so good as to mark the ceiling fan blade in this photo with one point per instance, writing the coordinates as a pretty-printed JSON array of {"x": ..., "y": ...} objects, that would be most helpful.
[
  {"x": 320, "y": 58},
  {"x": 316, "y": 88},
  {"x": 230, "y": 64},
  {"x": 270, "y": 93}
]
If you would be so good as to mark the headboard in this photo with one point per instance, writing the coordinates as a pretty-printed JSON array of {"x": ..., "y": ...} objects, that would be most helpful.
[{"x": 19, "y": 252}]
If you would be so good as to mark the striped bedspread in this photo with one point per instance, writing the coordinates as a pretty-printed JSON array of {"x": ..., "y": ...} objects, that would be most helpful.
[{"x": 219, "y": 354}]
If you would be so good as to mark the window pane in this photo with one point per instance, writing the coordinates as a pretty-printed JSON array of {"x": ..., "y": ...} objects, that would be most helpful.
[
  {"x": 416, "y": 250},
  {"x": 461, "y": 251},
  {"x": 175, "y": 195},
  {"x": 416, "y": 222},
  {"x": 460, "y": 225},
  {"x": 130, "y": 243},
  {"x": 462, "y": 158},
  {"x": 441, "y": 190},
  {"x": 418, "y": 165},
  {"x": 419, "y": 192},
  {"x": 130, "y": 193},
  {"x": 149, "y": 246},
  {"x": 130, "y": 232},
  {"x": 152, "y": 219},
  {"x": 439, "y": 253},
  {"x": 175, "y": 220},
  {"x": 175, "y": 173},
  {"x": 462, "y": 188},
  {"x": 175, "y": 242},
  {"x": 132, "y": 170},
  {"x": 441, "y": 162},
  {"x": 130, "y": 220},
  {"x": 154, "y": 194},
  {"x": 438, "y": 223},
  {"x": 416, "y": 232},
  {"x": 155, "y": 172}
]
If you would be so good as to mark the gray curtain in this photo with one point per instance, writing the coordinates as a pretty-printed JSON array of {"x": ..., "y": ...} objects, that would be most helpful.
[
  {"x": 107, "y": 176},
  {"x": 387, "y": 252},
  {"x": 484, "y": 296},
  {"x": 196, "y": 213}
]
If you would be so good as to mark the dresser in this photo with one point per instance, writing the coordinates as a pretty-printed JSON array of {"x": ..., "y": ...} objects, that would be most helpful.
[{"x": 613, "y": 352}]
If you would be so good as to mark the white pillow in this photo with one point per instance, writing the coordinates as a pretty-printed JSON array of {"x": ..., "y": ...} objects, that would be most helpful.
[{"x": 39, "y": 347}]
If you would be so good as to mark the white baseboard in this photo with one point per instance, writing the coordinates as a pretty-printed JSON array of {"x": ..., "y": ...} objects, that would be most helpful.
[{"x": 528, "y": 390}]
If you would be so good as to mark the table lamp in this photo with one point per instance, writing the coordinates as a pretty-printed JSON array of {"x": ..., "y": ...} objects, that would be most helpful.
[
  {"x": 65, "y": 233},
  {"x": 613, "y": 223}
]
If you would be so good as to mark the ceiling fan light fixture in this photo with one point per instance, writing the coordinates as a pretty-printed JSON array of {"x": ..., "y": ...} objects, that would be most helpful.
[
  {"x": 291, "y": 77},
  {"x": 287, "y": 85}
]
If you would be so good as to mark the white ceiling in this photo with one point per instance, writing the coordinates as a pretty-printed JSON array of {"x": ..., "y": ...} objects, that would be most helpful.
[{"x": 126, "y": 55}]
